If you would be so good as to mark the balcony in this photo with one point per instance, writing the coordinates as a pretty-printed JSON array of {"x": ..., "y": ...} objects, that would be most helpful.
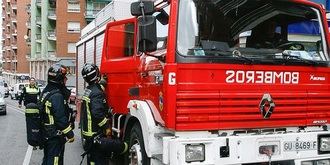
[
  {"x": 28, "y": 8},
  {"x": 14, "y": 33},
  {"x": 14, "y": 46},
  {"x": 38, "y": 38},
  {"x": 7, "y": 36},
  {"x": 52, "y": 3},
  {"x": 51, "y": 35},
  {"x": 14, "y": 20},
  {"x": 28, "y": 24},
  {"x": 91, "y": 14},
  {"x": 14, "y": 5},
  {"x": 38, "y": 20},
  {"x": 51, "y": 54},
  {"x": 28, "y": 42},
  {"x": 28, "y": 56},
  {"x": 38, "y": 3},
  {"x": 38, "y": 54},
  {"x": 52, "y": 14}
]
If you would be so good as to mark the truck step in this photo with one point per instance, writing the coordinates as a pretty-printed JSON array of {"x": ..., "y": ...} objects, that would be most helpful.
[{"x": 158, "y": 157}]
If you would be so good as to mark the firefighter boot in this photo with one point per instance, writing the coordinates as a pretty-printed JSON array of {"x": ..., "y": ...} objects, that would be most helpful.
[{"x": 111, "y": 146}]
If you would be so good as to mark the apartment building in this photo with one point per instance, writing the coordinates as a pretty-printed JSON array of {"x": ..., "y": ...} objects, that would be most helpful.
[
  {"x": 55, "y": 29},
  {"x": 14, "y": 16}
]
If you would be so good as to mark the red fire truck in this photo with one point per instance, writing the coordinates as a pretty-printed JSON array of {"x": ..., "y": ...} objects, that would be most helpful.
[{"x": 220, "y": 82}]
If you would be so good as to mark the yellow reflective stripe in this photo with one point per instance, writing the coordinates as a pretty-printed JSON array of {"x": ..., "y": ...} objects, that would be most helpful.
[
  {"x": 49, "y": 104},
  {"x": 88, "y": 133},
  {"x": 32, "y": 90},
  {"x": 86, "y": 99},
  {"x": 89, "y": 119},
  {"x": 67, "y": 129},
  {"x": 103, "y": 88},
  {"x": 31, "y": 110},
  {"x": 56, "y": 160},
  {"x": 103, "y": 122},
  {"x": 92, "y": 163},
  {"x": 50, "y": 117}
]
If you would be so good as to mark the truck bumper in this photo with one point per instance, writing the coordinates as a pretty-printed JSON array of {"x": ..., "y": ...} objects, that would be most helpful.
[{"x": 244, "y": 149}]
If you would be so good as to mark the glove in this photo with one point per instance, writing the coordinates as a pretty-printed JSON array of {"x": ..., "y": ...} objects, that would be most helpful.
[
  {"x": 70, "y": 140},
  {"x": 103, "y": 82},
  {"x": 108, "y": 132},
  {"x": 70, "y": 137}
]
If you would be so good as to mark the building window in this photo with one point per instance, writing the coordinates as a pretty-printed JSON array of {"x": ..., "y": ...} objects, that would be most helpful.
[
  {"x": 74, "y": 7},
  {"x": 99, "y": 6},
  {"x": 71, "y": 47},
  {"x": 73, "y": 27}
]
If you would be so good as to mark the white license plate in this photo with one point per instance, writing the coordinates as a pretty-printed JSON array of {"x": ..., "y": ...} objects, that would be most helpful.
[{"x": 299, "y": 145}]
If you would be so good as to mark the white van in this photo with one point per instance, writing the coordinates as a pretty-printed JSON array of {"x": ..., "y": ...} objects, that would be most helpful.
[{"x": 17, "y": 90}]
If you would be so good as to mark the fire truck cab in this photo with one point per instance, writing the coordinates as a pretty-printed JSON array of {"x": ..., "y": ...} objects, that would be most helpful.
[{"x": 220, "y": 82}]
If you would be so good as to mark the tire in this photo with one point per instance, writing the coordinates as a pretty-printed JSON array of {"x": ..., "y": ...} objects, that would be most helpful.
[{"x": 136, "y": 151}]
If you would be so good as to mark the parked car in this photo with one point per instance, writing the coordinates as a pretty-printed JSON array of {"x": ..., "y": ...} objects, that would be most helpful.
[
  {"x": 2, "y": 87},
  {"x": 3, "y": 106},
  {"x": 17, "y": 90}
]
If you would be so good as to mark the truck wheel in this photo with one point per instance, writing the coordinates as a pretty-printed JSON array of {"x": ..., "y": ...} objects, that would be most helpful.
[{"x": 136, "y": 152}]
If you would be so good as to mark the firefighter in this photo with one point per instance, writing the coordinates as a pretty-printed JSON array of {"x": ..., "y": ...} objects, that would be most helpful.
[
  {"x": 57, "y": 127},
  {"x": 95, "y": 118},
  {"x": 29, "y": 94}
]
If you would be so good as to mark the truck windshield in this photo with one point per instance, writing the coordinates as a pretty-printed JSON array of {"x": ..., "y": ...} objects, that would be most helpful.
[{"x": 253, "y": 31}]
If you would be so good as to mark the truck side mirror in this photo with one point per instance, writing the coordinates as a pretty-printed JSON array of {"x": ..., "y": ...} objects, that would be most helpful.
[
  {"x": 148, "y": 35},
  {"x": 142, "y": 8}
]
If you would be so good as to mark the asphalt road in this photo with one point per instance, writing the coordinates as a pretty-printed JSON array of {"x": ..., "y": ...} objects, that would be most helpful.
[{"x": 14, "y": 149}]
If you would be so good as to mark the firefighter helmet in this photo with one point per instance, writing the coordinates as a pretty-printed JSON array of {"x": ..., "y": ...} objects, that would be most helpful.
[
  {"x": 57, "y": 74},
  {"x": 90, "y": 73}
]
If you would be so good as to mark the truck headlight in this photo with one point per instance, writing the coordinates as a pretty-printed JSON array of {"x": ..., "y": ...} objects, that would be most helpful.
[
  {"x": 195, "y": 153},
  {"x": 324, "y": 144},
  {"x": 323, "y": 162},
  {"x": 307, "y": 163},
  {"x": 316, "y": 162}
]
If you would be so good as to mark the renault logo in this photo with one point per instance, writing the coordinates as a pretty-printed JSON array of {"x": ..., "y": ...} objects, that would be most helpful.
[{"x": 266, "y": 106}]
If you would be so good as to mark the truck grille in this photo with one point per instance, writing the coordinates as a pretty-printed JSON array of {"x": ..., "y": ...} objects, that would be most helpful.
[{"x": 200, "y": 110}]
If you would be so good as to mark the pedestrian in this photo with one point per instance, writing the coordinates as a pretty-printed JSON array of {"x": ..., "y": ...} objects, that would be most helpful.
[
  {"x": 29, "y": 94},
  {"x": 57, "y": 127},
  {"x": 95, "y": 120}
]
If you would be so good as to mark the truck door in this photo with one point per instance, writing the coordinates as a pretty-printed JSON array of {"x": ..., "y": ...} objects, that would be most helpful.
[{"x": 119, "y": 62}]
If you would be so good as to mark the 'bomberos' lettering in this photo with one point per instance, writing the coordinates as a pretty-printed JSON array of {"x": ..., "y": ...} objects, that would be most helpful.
[{"x": 261, "y": 77}]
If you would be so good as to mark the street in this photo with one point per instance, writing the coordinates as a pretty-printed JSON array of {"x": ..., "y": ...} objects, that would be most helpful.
[{"x": 14, "y": 148}]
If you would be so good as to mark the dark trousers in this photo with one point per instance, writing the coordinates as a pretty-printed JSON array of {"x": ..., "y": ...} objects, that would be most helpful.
[
  {"x": 54, "y": 151},
  {"x": 96, "y": 157}
]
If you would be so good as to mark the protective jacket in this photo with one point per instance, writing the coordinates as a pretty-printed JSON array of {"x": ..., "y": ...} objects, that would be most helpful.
[
  {"x": 56, "y": 123},
  {"x": 29, "y": 94},
  {"x": 57, "y": 114},
  {"x": 94, "y": 111}
]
